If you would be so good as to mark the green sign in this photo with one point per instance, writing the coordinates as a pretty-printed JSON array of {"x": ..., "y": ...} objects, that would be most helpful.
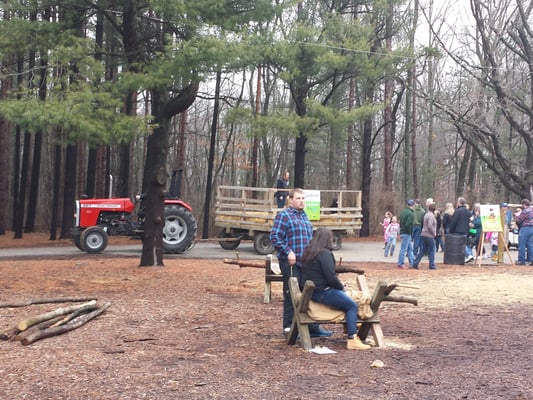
[{"x": 312, "y": 204}]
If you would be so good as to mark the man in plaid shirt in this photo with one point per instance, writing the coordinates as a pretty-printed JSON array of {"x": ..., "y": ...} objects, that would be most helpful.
[
  {"x": 291, "y": 233},
  {"x": 524, "y": 221}
]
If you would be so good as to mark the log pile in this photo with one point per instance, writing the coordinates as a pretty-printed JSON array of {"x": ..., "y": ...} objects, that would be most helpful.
[{"x": 53, "y": 323}]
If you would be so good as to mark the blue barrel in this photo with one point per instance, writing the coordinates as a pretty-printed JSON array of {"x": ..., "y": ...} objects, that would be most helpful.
[{"x": 454, "y": 249}]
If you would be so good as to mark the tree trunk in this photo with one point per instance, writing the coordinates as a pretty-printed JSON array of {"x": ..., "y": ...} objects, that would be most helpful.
[
  {"x": 56, "y": 191},
  {"x": 20, "y": 205},
  {"x": 37, "y": 148},
  {"x": 155, "y": 180},
  {"x": 366, "y": 169},
  {"x": 462, "y": 173},
  {"x": 155, "y": 173},
  {"x": 211, "y": 158},
  {"x": 69, "y": 191},
  {"x": 388, "y": 133},
  {"x": 6, "y": 83},
  {"x": 350, "y": 142},
  {"x": 18, "y": 208}
]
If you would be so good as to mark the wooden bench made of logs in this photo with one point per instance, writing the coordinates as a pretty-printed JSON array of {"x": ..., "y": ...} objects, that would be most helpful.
[
  {"x": 270, "y": 277},
  {"x": 301, "y": 318}
]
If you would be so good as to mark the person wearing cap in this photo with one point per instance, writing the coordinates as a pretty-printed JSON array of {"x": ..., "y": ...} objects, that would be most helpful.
[
  {"x": 406, "y": 233},
  {"x": 524, "y": 221}
]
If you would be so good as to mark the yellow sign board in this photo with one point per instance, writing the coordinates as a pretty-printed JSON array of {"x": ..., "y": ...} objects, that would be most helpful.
[{"x": 490, "y": 218}]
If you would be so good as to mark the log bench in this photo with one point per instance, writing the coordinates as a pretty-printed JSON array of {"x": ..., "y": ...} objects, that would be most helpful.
[
  {"x": 301, "y": 318},
  {"x": 270, "y": 277}
]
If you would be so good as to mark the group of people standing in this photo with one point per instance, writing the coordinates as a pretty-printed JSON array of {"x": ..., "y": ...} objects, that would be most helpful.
[
  {"x": 418, "y": 229},
  {"x": 421, "y": 230},
  {"x": 309, "y": 256}
]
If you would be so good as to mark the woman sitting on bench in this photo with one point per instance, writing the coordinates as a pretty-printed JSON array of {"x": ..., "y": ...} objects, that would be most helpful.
[{"x": 318, "y": 265}]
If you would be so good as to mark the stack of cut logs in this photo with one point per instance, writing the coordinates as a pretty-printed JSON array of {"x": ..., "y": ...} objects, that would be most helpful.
[{"x": 55, "y": 322}]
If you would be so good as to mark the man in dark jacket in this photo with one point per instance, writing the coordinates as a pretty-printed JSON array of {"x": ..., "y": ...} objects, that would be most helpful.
[
  {"x": 460, "y": 225},
  {"x": 406, "y": 232}
]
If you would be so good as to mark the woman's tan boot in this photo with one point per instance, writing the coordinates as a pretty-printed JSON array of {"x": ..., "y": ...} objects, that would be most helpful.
[{"x": 356, "y": 344}]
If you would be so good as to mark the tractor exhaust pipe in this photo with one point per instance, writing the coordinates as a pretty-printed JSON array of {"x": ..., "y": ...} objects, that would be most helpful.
[{"x": 174, "y": 191}]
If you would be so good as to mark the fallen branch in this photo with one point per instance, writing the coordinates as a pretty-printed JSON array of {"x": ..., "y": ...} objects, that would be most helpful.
[
  {"x": 30, "y": 302},
  {"x": 401, "y": 299},
  {"x": 84, "y": 310},
  {"x": 37, "y": 327},
  {"x": 393, "y": 286},
  {"x": 25, "y": 324},
  {"x": 58, "y": 330},
  {"x": 342, "y": 270},
  {"x": 244, "y": 263},
  {"x": 9, "y": 334},
  {"x": 255, "y": 264}
]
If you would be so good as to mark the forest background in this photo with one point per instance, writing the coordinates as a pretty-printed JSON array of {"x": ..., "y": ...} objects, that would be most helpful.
[{"x": 398, "y": 99}]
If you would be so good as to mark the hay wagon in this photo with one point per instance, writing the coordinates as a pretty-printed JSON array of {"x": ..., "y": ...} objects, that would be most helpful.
[{"x": 247, "y": 213}]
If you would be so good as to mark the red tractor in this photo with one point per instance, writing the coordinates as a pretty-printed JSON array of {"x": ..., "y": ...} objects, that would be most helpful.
[{"x": 96, "y": 219}]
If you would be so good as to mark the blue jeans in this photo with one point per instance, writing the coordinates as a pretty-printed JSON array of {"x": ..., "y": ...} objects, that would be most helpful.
[
  {"x": 417, "y": 230},
  {"x": 280, "y": 200},
  {"x": 287, "y": 271},
  {"x": 427, "y": 245},
  {"x": 468, "y": 251},
  {"x": 341, "y": 301},
  {"x": 390, "y": 246},
  {"x": 406, "y": 247},
  {"x": 439, "y": 243},
  {"x": 525, "y": 235}
]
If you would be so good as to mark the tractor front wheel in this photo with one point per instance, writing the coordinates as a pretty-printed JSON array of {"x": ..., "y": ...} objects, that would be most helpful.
[{"x": 93, "y": 239}]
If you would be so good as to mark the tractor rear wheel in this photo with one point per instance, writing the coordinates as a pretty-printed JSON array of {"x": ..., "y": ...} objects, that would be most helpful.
[
  {"x": 93, "y": 239},
  {"x": 179, "y": 231}
]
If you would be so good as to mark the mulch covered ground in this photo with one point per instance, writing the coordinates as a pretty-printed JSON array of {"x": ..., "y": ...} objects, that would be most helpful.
[{"x": 198, "y": 329}]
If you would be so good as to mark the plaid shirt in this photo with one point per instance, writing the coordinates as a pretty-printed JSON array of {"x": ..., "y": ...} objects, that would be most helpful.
[
  {"x": 291, "y": 231},
  {"x": 525, "y": 218}
]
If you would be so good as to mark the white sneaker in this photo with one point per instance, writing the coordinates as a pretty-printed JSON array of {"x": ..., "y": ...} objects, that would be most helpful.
[{"x": 468, "y": 259}]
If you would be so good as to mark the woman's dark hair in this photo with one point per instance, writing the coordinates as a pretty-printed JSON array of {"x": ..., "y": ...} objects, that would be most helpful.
[{"x": 322, "y": 239}]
